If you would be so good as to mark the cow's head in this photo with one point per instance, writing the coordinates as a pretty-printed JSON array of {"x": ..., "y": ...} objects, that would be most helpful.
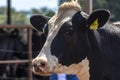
[{"x": 67, "y": 40}]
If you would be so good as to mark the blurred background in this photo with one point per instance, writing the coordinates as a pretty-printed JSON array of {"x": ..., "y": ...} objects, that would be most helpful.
[
  {"x": 13, "y": 42},
  {"x": 22, "y": 9}
]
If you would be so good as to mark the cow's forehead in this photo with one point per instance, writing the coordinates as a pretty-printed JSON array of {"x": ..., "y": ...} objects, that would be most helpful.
[
  {"x": 59, "y": 18},
  {"x": 54, "y": 25}
]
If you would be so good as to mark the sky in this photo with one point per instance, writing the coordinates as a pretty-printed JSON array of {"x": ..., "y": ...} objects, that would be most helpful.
[{"x": 29, "y": 4}]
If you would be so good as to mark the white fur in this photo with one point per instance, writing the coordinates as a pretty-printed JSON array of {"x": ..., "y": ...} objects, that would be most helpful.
[{"x": 54, "y": 26}]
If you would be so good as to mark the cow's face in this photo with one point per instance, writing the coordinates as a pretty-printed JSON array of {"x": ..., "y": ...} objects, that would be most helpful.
[
  {"x": 61, "y": 45},
  {"x": 67, "y": 41}
]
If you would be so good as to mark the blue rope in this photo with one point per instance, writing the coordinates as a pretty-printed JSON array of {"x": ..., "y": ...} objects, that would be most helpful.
[{"x": 63, "y": 77}]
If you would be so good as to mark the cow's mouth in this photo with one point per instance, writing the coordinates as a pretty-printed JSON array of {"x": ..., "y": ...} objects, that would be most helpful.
[
  {"x": 41, "y": 71},
  {"x": 44, "y": 71},
  {"x": 80, "y": 69},
  {"x": 41, "y": 68}
]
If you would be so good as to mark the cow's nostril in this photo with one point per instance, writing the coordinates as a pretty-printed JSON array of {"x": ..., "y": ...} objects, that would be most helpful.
[{"x": 42, "y": 64}]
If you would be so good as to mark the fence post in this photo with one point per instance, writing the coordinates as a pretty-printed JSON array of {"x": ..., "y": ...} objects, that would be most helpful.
[
  {"x": 88, "y": 6},
  {"x": 30, "y": 52},
  {"x": 8, "y": 11}
]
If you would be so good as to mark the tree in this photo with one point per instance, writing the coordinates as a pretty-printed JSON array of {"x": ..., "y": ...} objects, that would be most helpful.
[
  {"x": 21, "y": 17},
  {"x": 17, "y": 17},
  {"x": 61, "y": 1},
  {"x": 44, "y": 11},
  {"x": 35, "y": 11},
  {"x": 3, "y": 17},
  {"x": 112, "y": 5},
  {"x": 3, "y": 10},
  {"x": 47, "y": 12}
]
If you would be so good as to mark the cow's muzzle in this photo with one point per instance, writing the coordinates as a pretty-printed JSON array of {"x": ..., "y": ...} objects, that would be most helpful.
[{"x": 40, "y": 66}]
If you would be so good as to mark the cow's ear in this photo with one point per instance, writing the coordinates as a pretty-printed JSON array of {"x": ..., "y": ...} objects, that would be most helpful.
[
  {"x": 38, "y": 21},
  {"x": 98, "y": 19}
]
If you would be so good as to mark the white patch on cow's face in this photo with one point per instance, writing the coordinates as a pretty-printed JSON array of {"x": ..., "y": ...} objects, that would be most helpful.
[{"x": 54, "y": 27}]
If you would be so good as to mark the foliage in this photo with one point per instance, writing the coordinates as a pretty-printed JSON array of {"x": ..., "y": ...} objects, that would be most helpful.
[
  {"x": 47, "y": 12},
  {"x": 35, "y": 11},
  {"x": 19, "y": 18},
  {"x": 112, "y": 5},
  {"x": 22, "y": 17},
  {"x": 3, "y": 10},
  {"x": 2, "y": 19}
]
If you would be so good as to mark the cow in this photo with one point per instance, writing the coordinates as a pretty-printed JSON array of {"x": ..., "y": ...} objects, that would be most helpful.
[
  {"x": 36, "y": 21},
  {"x": 73, "y": 35},
  {"x": 9, "y": 50}
]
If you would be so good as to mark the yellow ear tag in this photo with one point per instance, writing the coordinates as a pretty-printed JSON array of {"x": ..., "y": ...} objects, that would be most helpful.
[{"x": 94, "y": 25}]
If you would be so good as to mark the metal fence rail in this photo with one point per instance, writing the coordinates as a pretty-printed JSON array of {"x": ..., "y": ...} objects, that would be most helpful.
[
  {"x": 29, "y": 32},
  {"x": 13, "y": 61}
]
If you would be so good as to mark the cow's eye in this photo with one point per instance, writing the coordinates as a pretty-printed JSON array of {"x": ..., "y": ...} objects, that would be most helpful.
[
  {"x": 67, "y": 28},
  {"x": 69, "y": 31}
]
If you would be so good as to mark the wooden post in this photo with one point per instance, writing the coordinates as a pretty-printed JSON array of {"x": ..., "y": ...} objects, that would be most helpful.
[
  {"x": 88, "y": 6},
  {"x": 8, "y": 11},
  {"x": 30, "y": 52}
]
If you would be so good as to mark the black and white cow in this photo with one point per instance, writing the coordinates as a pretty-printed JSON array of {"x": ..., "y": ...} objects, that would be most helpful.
[
  {"x": 37, "y": 21},
  {"x": 73, "y": 36}
]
